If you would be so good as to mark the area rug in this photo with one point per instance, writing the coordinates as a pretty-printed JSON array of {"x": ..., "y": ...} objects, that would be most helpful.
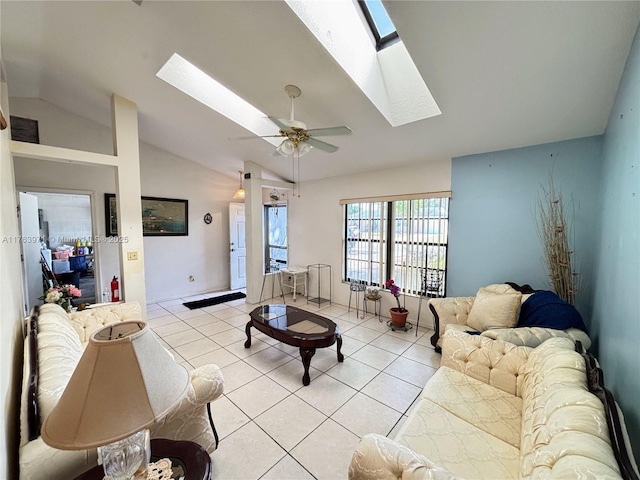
[{"x": 214, "y": 300}]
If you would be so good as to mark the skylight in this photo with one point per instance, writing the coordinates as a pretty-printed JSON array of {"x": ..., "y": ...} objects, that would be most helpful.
[
  {"x": 188, "y": 78},
  {"x": 388, "y": 77},
  {"x": 379, "y": 22}
]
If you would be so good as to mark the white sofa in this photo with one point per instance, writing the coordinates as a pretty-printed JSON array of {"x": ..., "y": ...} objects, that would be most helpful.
[
  {"x": 53, "y": 346},
  {"x": 494, "y": 410},
  {"x": 452, "y": 313}
]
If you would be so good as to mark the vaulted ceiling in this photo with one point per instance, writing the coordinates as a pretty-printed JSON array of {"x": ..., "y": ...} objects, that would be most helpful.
[{"x": 504, "y": 74}]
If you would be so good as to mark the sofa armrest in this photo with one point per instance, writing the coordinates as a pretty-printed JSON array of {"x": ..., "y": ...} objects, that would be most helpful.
[
  {"x": 39, "y": 461},
  {"x": 189, "y": 420},
  {"x": 207, "y": 383},
  {"x": 534, "y": 336},
  {"x": 445, "y": 311},
  {"x": 381, "y": 458},
  {"x": 494, "y": 362}
]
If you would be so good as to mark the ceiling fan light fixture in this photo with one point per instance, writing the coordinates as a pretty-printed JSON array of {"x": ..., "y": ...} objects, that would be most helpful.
[
  {"x": 286, "y": 148},
  {"x": 303, "y": 148}
]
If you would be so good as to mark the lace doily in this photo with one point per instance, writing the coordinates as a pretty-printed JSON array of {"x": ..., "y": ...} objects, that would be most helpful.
[{"x": 160, "y": 470}]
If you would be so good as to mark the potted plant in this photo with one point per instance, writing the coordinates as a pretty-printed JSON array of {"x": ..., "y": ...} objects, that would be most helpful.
[{"x": 398, "y": 314}]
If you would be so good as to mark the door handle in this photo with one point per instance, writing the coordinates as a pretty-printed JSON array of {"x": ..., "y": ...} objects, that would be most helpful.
[{"x": 233, "y": 249}]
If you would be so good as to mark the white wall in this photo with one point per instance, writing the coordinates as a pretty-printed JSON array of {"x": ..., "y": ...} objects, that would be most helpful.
[
  {"x": 316, "y": 217},
  {"x": 169, "y": 261},
  {"x": 11, "y": 305}
]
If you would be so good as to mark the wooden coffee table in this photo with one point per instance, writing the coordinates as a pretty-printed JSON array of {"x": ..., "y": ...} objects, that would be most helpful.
[{"x": 298, "y": 328}]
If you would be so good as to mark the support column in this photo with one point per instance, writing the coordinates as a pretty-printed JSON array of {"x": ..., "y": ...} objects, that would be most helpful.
[
  {"x": 128, "y": 193},
  {"x": 254, "y": 233}
]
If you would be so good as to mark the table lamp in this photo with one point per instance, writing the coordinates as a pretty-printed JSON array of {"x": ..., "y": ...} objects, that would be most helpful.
[{"x": 124, "y": 381}]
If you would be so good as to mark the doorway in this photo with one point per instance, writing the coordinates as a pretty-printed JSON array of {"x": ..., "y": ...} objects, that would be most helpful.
[
  {"x": 237, "y": 246},
  {"x": 65, "y": 225}
]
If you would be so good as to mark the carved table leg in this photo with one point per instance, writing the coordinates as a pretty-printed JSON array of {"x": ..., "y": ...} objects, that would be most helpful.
[
  {"x": 339, "y": 346},
  {"x": 306, "y": 354},
  {"x": 247, "y": 329}
]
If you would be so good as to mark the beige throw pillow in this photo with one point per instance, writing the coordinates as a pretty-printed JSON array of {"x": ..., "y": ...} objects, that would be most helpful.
[{"x": 494, "y": 307}]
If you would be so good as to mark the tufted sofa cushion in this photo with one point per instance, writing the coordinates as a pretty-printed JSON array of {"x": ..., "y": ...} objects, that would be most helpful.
[
  {"x": 87, "y": 321},
  {"x": 59, "y": 351},
  {"x": 495, "y": 363},
  {"x": 564, "y": 428},
  {"x": 534, "y": 336}
]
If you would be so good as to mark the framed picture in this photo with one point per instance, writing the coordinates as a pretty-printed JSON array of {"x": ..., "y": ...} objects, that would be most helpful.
[{"x": 160, "y": 216}]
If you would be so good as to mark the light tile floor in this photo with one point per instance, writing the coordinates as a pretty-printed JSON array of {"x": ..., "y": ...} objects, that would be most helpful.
[{"x": 270, "y": 425}]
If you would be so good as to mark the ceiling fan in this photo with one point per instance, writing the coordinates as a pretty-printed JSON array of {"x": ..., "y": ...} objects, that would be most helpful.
[{"x": 296, "y": 135}]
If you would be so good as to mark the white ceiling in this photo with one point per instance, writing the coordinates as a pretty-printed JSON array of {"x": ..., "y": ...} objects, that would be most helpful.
[{"x": 504, "y": 74}]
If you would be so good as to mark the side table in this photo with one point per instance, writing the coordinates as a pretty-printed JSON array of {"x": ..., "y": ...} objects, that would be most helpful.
[
  {"x": 294, "y": 275},
  {"x": 188, "y": 460},
  {"x": 319, "y": 268}
]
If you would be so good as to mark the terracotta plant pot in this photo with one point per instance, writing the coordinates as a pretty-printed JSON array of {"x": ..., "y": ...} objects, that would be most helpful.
[{"x": 398, "y": 317}]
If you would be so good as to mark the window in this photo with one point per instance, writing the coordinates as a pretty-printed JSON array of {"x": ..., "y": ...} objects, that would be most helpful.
[
  {"x": 379, "y": 22},
  {"x": 365, "y": 246},
  {"x": 275, "y": 217},
  {"x": 403, "y": 239}
]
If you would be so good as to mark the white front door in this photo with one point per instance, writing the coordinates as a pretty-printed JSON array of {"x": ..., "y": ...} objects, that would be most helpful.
[
  {"x": 30, "y": 242},
  {"x": 238, "y": 247}
]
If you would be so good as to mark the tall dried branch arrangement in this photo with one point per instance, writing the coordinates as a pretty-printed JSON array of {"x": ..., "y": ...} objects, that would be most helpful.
[{"x": 554, "y": 231}]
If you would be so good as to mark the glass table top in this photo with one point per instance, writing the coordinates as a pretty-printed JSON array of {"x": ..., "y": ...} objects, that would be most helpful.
[{"x": 293, "y": 320}]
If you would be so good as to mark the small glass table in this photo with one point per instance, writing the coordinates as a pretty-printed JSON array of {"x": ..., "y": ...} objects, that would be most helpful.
[{"x": 298, "y": 328}]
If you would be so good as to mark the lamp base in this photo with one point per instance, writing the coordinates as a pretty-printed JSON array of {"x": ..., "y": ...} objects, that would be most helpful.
[{"x": 126, "y": 458}]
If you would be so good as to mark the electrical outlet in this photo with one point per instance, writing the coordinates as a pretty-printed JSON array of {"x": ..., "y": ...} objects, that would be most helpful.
[
  {"x": 132, "y": 255},
  {"x": 192, "y": 278}
]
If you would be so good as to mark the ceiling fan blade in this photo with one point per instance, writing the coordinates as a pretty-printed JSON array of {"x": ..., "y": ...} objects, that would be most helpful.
[
  {"x": 323, "y": 132},
  {"x": 279, "y": 123},
  {"x": 255, "y": 137},
  {"x": 320, "y": 145}
]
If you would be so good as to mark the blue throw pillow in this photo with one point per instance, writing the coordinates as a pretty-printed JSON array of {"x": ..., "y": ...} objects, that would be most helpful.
[{"x": 546, "y": 309}]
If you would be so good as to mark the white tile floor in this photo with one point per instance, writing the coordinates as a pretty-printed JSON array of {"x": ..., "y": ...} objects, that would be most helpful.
[{"x": 270, "y": 425}]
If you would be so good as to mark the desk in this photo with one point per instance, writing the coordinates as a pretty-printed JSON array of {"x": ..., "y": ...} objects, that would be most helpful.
[
  {"x": 184, "y": 455},
  {"x": 294, "y": 275}
]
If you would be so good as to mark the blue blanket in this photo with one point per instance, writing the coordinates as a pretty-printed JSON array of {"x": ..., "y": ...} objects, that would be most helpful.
[{"x": 546, "y": 309}]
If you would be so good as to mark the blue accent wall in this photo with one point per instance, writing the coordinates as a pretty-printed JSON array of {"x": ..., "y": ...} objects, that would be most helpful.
[
  {"x": 493, "y": 215},
  {"x": 616, "y": 316},
  {"x": 493, "y": 234}
]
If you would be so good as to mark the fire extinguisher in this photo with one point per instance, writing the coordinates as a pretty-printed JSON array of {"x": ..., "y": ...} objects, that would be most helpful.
[{"x": 115, "y": 290}]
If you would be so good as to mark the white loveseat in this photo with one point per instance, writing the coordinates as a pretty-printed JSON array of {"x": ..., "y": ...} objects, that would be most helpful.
[
  {"x": 453, "y": 313},
  {"x": 53, "y": 346},
  {"x": 494, "y": 410}
]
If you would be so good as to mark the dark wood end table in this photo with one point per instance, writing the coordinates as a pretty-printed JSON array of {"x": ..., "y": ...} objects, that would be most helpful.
[
  {"x": 298, "y": 328},
  {"x": 188, "y": 460}
]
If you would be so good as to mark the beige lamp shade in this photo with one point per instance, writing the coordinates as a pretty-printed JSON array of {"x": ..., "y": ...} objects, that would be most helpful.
[{"x": 124, "y": 381}]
